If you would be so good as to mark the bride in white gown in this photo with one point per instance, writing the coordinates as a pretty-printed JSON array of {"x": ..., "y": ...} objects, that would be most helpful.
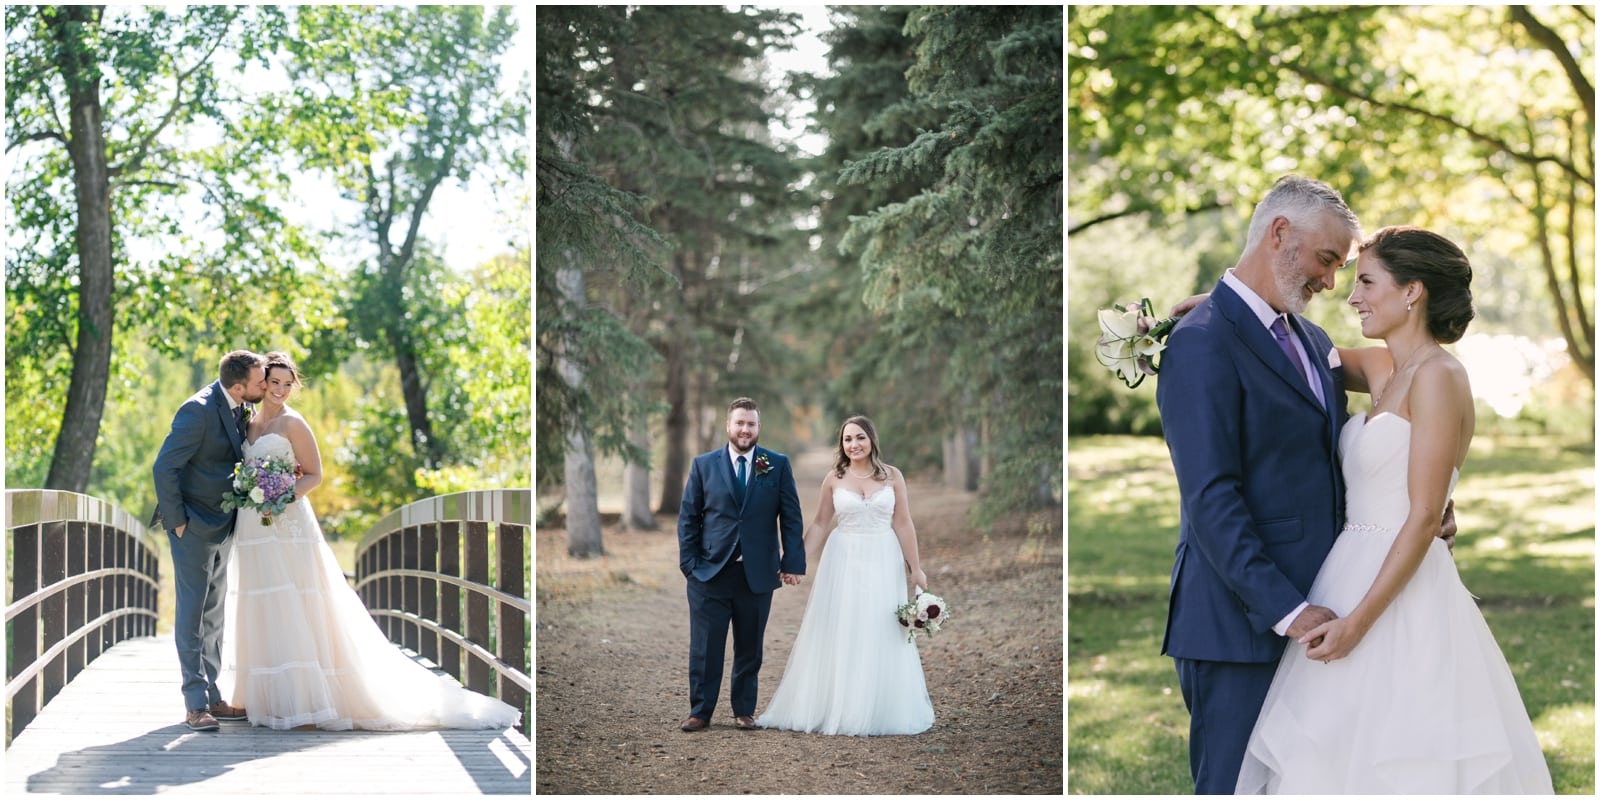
[
  {"x": 851, "y": 670},
  {"x": 304, "y": 650},
  {"x": 1407, "y": 692}
]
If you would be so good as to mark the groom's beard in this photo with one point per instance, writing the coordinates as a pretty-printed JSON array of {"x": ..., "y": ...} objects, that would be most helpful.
[
  {"x": 1290, "y": 281},
  {"x": 734, "y": 440}
]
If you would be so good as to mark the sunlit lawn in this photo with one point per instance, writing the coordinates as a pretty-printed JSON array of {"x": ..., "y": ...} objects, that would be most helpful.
[{"x": 1525, "y": 507}]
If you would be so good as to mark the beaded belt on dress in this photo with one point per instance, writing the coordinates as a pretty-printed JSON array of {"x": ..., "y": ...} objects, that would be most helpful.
[{"x": 1362, "y": 527}]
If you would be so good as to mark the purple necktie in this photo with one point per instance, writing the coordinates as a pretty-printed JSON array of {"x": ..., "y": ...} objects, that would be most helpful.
[{"x": 1280, "y": 331}]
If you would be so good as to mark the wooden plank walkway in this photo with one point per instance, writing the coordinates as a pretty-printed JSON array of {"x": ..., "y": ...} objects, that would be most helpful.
[{"x": 118, "y": 729}]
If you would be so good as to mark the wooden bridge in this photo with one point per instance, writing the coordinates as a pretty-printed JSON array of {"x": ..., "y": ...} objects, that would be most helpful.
[{"x": 93, "y": 705}]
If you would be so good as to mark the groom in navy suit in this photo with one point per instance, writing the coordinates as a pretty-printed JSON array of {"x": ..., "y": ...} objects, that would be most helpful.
[
  {"x": 1252, "y": 400},
  {"x": 740, "y": 504}
]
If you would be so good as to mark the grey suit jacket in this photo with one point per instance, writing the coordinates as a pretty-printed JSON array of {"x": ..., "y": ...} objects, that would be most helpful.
[{"x": 195, "y": 466}]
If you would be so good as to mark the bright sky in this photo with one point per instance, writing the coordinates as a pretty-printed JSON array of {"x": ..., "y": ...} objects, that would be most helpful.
[{"x": 808, "y": 55}]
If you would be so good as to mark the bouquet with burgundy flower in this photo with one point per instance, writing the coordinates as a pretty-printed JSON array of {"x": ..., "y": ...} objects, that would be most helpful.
[
  {"x": 926, "y": 613},
  {"x": 265, "y": 484}
]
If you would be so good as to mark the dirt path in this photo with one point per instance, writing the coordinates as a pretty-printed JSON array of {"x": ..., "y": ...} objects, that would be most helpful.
[{"x": 612, "y": 646}]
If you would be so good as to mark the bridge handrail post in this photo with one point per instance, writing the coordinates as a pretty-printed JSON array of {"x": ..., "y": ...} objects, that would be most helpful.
[
  {"x": 84, "y": 576},
  {"x": 447, "y": 577}
]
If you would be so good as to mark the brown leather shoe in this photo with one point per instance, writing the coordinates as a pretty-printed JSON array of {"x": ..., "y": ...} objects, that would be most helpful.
[
  {"x": 223, "y": 711},
  {"x": 693, "y": 724},
  {"x": 201, "y": 720},
  {"x": 745, "y": 723}
]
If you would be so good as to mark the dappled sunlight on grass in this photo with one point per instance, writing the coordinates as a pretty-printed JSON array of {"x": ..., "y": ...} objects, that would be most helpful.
[{"x": 1567, "y": 733}]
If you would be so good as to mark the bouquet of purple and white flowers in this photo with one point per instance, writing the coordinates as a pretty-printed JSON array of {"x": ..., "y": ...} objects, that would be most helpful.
[
  {"x": 265, "y": 484},
  {"x": 926, "y": 613}
]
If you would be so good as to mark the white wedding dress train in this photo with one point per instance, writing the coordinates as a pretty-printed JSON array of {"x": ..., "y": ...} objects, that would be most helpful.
[
  {"x": 851, "y": 670},
  {"x": 301, "y": 649},
  {"x": 1425, "y": 703}
]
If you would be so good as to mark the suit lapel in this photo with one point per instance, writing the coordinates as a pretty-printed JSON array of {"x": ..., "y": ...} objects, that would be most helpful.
[
  {"x": 220, "y": 400},
  {"x": 1319, "y": 366},
  {"x": 1258, "y": 340}
]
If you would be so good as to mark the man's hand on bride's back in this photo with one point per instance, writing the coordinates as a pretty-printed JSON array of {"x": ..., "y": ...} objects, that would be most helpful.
[{"x": 1447, "y": 526}]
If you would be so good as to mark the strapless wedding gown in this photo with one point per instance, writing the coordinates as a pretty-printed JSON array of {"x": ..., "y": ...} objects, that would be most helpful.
[
  {"x": 1425, "y": 703},
  {"x": 302, "y": 649},
  {"x": 851, "y": 670}
]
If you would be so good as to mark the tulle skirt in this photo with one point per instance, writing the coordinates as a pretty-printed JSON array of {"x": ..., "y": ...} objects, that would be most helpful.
[
  {"x": 301, "y": 648},
  {"x": 851, "y": 670},
  {"x": 1424, "y": 704}
]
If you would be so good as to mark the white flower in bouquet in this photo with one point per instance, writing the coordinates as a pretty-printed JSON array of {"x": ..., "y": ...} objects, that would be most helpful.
[
  {"x": 257, "y": 495},
  {"x": 1125, "y": 347},
  {"x": 927, "y": 613}
]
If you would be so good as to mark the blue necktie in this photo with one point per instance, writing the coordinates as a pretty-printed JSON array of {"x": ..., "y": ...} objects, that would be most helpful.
[
  {"x": 741, "y": 478},
  {"x": 1280, "y": 331}
]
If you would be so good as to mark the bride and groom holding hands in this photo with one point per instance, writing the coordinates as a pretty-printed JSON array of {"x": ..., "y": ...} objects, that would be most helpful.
[
  {"x": 301, "y": 649},
  {"x": 1323, "y": 640},
  {"x": 852, "y": 669}
]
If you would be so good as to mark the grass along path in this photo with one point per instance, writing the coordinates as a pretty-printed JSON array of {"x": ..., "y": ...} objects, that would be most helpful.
[{"x": 1525, "y": 507}]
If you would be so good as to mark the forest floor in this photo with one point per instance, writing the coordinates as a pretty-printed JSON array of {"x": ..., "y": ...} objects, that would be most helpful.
[{"x": 612, "y": 643}]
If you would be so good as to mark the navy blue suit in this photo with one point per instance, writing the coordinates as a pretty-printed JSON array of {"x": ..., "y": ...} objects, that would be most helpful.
[
  {"x": 717, "y": 523},
  {"x": 1256, "y": 457}
]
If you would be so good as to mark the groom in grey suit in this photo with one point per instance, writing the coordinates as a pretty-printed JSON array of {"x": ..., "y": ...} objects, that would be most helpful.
[{"x": 192, "y": 473}]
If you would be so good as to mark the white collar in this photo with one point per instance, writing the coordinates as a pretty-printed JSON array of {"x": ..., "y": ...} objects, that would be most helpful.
[
  {"x": 233, "y": 405},
  {"x": 1263, "y": 310},
  {"x": 733, "y": 455}
]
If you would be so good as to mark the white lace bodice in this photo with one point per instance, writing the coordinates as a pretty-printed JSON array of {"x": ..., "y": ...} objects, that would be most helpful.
[
  {"x": 270, "y": 444},
  {"x": 1376, "y": 455},
  {"x": 871, "y": 514}
]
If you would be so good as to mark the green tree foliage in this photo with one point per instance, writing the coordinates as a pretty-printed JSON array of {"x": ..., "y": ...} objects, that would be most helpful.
[
  {"x": 665, "y": 190},
  {"x": 136, "y": 215},
  {"x": 585, "y": 223},
  {"x": 1477, "y": 122},
  {"x": 392, "y": 102},
  {"x": 971, "y": 266},
  {"x": 865, "y": 106}
]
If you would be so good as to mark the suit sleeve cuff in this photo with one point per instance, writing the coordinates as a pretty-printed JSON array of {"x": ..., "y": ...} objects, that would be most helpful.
[{"x": 1282, "y": 628}]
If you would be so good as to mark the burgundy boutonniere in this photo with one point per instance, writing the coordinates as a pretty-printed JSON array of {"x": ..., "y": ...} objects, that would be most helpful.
[{"x": 763, "y": 466}]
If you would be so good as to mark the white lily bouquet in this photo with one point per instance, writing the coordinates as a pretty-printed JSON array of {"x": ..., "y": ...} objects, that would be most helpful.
[
  {"x": 1126, "y": 346},
  {"x": 926, "y": 613}
]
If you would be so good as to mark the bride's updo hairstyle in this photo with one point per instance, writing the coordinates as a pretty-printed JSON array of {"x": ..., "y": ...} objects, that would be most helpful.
[
  {"x": 282, "y": 361},
  {"x": 842, "y": 462},
  {"x": 1413, "y": 254}
]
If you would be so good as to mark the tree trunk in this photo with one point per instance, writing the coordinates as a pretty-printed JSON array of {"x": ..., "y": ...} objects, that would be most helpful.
[
  {"x": 415, "y": 392},
  {"x": 636, "y": 514},
  {"x": 583, "y": 508},
  {"x": 961, "y": 459},
  {"x": 674, "y": 466},
  {"x": 91, "y": 362},
  {"x": 583, "y": 503}
]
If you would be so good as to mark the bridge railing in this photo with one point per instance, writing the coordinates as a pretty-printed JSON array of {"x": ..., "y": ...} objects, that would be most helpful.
[
  {"x": 84, "y": 575},
  {"x": 447, "y": 577}
]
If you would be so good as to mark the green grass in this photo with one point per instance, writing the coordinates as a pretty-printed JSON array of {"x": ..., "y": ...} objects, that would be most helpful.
[{"x": 1525, "y": 508}]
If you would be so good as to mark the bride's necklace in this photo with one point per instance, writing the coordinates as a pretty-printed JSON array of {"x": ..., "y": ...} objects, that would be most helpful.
[{"x": 863, "y": 477}]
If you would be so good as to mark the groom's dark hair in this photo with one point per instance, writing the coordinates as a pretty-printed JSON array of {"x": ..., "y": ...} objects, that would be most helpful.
[
  {"x": 744, "y": 403},
  {"x": 236, "y": 366}
]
